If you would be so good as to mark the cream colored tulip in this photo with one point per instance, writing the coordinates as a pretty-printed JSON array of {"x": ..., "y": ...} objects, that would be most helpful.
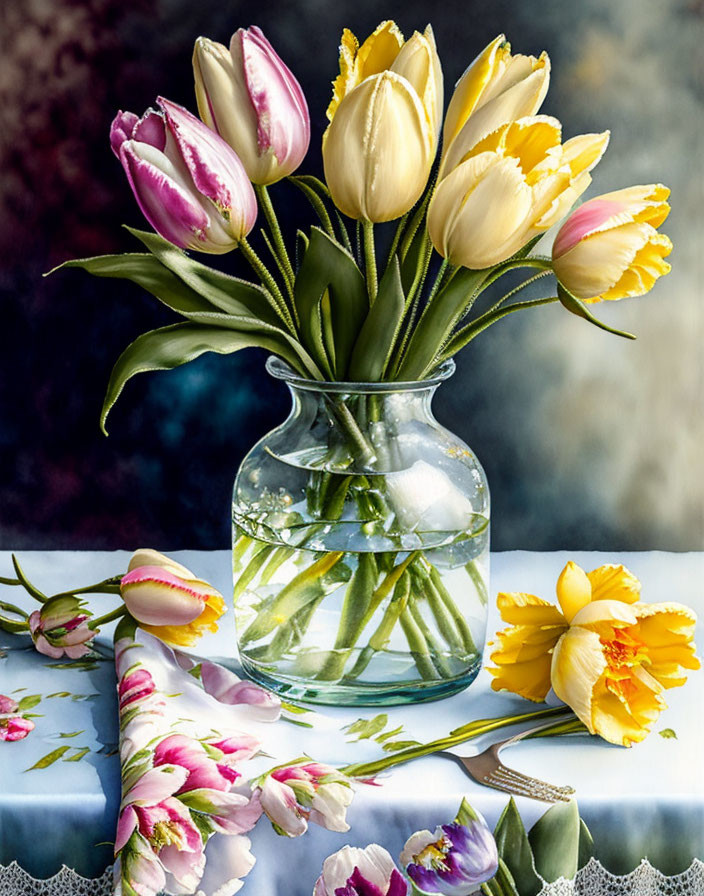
[
  {"x": 609, "y": 247},
  {"x": 385, "y": 119},
  {"x": 496, "y": 88},
  {"x": 514, "y": 185}
]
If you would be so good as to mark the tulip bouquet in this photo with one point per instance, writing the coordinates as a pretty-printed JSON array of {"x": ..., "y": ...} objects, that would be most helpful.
[{"x": 358, "y": 299}]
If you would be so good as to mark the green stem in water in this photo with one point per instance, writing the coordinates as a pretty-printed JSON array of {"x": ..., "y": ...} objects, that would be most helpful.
[
  {"x": 418, "y": 647},
  {"x": 436, "y": 652},
  {"x": 370, "y": 261},
  {"x": 269, "y": 282},
  {"x": 117, "y": 613},
  {"x": 458, "y": 736}
]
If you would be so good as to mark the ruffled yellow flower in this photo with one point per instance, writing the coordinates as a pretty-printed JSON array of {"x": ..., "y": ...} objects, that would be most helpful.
[
  {"x": 609, "y": 247},
  {"x": 385, "y": 118},
  {"x": 495, "y": 89},
  {"x": 514, "y": 184},
  {"x": 606, "y": 654}
]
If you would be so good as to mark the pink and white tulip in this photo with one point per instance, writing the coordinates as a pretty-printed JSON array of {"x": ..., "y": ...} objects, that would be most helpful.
[
  {"x": 250, "y": 97},
  {"x": 188, "y": 182},
  {"x": 455, "y": 860},
  {"x": 360, "y": 872},
  {"x": 61, "y": 627},
  {"x": 13, "y": 726},
  {"x": 296, "y": 794},
  {"x": 609, "y": 247},
  {"x": 207, "y": 766}
]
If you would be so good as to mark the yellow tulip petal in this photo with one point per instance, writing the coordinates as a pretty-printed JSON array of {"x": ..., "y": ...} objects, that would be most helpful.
[
  {"x": 574, "y": 590},
  {"x": 612, "y": 720},
  {"x": 529, "y": 675},
  {"x": 646, "y": 202},
  {"x": 578, "y": 663},
  {"x": 583, "y": 152},
  {"x": 419, "y": 65},
  {"x": 379, "y": 50},
  {"x": 523, "y": 643},
  {"x": 609, "y": 613},
  {"x": 519, "y": 608},
  {"x": 614, "y": 582},
  {"x": 647, "y": 267}
]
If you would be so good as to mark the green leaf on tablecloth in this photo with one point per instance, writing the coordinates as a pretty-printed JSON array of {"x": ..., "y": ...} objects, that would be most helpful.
[
  {"x": 49, "y": 759},
  {"x": 367, "y": 728},
  {"x": 396, "y": 746},
  {"x": 298, "y": 710},
  {"x": 72, "y": 733},
  {"x": 89, "y": 665},
  {"x": 78, "y": 755},
  {"x": 387, "y": 735},
  {"x": 554, "y": 839},
  {"x": 667, "y": 733},
  {"x": 586, "y": 845},
  {"x": 18, "y": 690},
  {"x": 514, "y": 848},
  {"x": 29, "y": 702},
  {"x": 59, "y": 694}
]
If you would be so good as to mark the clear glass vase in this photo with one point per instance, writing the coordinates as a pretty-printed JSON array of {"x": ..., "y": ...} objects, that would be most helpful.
[{"x": 361, "y": 547}]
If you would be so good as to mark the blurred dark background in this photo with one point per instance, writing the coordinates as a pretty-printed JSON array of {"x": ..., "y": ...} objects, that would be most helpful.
[{"x": 589, "y": 442}]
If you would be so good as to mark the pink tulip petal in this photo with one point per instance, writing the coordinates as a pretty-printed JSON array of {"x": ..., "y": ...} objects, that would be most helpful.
[
  {"x": 156, "y": 596},
  {"x": 121, "y": 129},
  {"x": 588, "y": 218},
  {"x": 7, "y": 704},
  {"x": 75, "y": 653},
  {"x": 185, "y": 867},
  {"x": 43, "y": 646},
  {"x": 203, "y": 772},
  {"x": 15, "y": 728},
  {"x": 156, "y": 785},
  {"x": 151, "y": 129},
  {"x": 283, "y": 121},
  {"x": 239, "y": 747},
  {"x": 170, "y": 210},
  {"x": 126, "y": 824},
  {"x": 141, "y": 868}
]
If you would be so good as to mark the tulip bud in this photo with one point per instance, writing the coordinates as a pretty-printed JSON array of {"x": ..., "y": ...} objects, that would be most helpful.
[
  {"x": 13, "y": 725},
  {"x": 514, "y": 185},
  {"x": 248, "y": 96},
  {"x": 188, "y": 182},
  {"x": 177, "y": 609},
  {"x": 609, "y": 247},
  {"x": 384, "y": 123},
  {"x": 356, "y": 871},
  {"x": 497, "y": 88},
  {"x": 61, "y": 627}
]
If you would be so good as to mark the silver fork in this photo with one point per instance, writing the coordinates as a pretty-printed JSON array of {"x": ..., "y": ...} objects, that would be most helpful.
[{"x": 486, "y": 768}]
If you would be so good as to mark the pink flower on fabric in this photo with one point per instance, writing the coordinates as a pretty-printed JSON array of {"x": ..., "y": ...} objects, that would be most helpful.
[
  {"x": 203, "y": 770},
  {"x": 12, "y": 724},
  {"x": 294, "y": 795},
  {"x": 60, "y": 627},
  {"x": 227, "y": 688}
]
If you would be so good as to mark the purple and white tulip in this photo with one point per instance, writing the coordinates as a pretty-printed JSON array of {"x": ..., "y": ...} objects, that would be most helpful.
[
  {"x": 360, "y": 872},
  {"x": 454, "y": 860},
  {"x": 249, "y": 96},
  {"x": 61, "y": 627},
  {"x": 293, "y": 795},
  {"x": 190, "y": 185},
  {"x": 13, "y": 726}
]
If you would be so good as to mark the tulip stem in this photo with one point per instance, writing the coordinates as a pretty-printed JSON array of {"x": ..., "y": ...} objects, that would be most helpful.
[
  {"x": 267, "y": 279},
  {"x": 11, "y": 608},
  {"x": 117, "y": 613},
  {"x": 370, "y": 260},
  {"x": 276, "y": 235},
  {"x": 438, "y": 280}
]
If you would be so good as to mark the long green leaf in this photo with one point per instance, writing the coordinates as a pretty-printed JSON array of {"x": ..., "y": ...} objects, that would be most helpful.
[
  {"x": 327, "y": 265},
  {"x": 554, "y": 839},
  {"x": 49, "y": 759},
  {"x": 577, "y": 306},
  {"x": 514, "y": 848},
  {"x": 227, "y": 293},
  {"x": 171, "y": 346},
  {"x": 380, "y": 329},
  {"x": 586, "y": 845},
  {"x": 437, "y": 322}
]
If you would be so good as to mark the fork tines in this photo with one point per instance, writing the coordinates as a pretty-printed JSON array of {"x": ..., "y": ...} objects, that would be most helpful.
[{"x": 511, "y": 781}]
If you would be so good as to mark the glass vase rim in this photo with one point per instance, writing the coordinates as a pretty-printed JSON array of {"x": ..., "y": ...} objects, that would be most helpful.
[{"x": 280, "y": 370}]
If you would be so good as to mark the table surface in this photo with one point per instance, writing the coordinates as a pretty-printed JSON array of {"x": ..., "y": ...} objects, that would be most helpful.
[{"x": 646, "y": 801}]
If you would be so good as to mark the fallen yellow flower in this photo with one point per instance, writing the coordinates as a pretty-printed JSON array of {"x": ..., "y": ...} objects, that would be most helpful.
[{"x": 605, "y": 653}]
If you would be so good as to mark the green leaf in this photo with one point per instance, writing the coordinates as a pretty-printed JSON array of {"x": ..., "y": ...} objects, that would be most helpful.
[
  {"x": 29, "y": 702},
  {"x": 554, "y": 839},
  {"x": 367, "y": 728},
  {"x": 49, "y": 759},
  {"x": 502, "y": 884},
  {"x": 327, "y": 265},
  {"x": 466, "y": 813},
  {"x": 577, "y": 306},
  {"x": 437, "y": 322},
  {"x": 380, "y": 329},
  {"x": 394, "y": 746},
  {"x": 514, "y": 848},
  {"x": 79, "y": 754},
  {"x": 171, "y": 346},
  {"x": 586, "y": 845},
  {"x": 225, "y": 292},
  {"x": 72, "y": 733},
  {"x": 59, "y": 694},
  {"x": 668, "y": 733}
]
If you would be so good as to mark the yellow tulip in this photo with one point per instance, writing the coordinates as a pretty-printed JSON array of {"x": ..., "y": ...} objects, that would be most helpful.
[
  {"x": 513, "y": 185},
  {"x": 605, "y": 653},
  {"x": 385, "y": 118},
  {"x": 609, "y": 247},
  {"x": 496, "y": 88}
]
